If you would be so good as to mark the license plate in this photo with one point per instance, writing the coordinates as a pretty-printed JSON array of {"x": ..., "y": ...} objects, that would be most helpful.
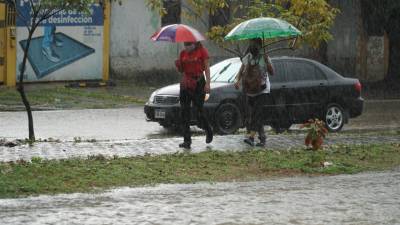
[{"x": 159, "y": 114}]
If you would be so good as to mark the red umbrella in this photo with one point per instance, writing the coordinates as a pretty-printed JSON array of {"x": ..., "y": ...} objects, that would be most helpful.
[{"x": 177, "y": 33}]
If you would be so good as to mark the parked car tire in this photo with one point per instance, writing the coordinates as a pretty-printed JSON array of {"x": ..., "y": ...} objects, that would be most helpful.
[
  {"x": 334, "y": 117},
  {"x": 227, "y": 119}
]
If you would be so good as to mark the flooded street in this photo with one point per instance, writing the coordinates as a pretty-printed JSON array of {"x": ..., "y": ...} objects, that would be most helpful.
[
  {"x": 130, "y": 123},
  {"x": 369, "y": 198},
  {"x": 101, "y": 124}
]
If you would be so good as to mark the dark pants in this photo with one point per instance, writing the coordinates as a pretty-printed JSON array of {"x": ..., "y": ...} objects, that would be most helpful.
[
  {"x": 255, "y": 120},
  {"x": 197, "y": 98}
]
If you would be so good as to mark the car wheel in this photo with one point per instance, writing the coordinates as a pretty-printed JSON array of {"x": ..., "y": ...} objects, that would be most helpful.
[
  {"x": 280, "y": 127},
  {"x": 334, "y": 117},
  {"x": 227, "y": 119}
]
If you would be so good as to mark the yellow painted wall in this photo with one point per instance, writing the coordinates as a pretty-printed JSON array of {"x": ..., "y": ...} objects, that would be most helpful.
[
  {"x": 11, "y": 59},
  {"x": 9, "y": 46},
  {"x": 2, "y": 41}
]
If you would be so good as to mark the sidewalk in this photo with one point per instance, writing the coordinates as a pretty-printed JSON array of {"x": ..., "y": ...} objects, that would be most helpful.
[{"x": 128, "y": 148}]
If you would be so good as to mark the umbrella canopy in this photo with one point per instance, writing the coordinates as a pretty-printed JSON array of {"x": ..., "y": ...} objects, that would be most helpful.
[
  {"x": 263, "y": 27},
  {"x": 177, "y": 33}
]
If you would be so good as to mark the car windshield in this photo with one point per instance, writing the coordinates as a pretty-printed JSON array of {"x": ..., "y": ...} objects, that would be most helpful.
[{"x": 225, "y": 71}]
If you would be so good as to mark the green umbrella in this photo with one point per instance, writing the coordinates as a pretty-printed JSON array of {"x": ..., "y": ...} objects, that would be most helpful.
[{"x": 263, "y": 27}]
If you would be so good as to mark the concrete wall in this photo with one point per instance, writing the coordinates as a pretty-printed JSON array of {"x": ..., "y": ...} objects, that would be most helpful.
[
  {"x": 132, "y": 52},
  {"x": 352, "y": 52},
  {"x": 131, "y": 49},
  {"x": 342, "y": 51}
]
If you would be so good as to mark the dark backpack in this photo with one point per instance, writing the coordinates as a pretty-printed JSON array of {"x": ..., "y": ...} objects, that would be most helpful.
[{"x": 252, "y": 78}]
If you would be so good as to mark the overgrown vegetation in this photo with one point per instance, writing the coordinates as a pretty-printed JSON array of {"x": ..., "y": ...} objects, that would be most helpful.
[{"x": 98, "y": 173}]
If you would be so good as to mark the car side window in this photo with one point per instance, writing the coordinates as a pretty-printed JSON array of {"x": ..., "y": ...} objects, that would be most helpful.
[
  {"x": 299, "y": 71},
  {"x": 279, "y": 73},
  {"x": 319, "y": 75}
]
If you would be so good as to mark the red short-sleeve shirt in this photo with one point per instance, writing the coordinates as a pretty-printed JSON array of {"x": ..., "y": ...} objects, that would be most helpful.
[{"x": 192, "y": 66}]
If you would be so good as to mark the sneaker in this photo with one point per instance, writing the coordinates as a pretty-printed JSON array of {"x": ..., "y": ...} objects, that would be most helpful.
[
  {"x": 261, "y": 144},
  {"x": 185, "y": 145},
  {"x": 209, "y": 136},
  {"x": 50, "y": 55},
  {"x": 249, "y": 141}
]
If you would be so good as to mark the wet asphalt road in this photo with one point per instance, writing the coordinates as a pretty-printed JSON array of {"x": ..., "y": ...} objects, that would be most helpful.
[
  {"x": 129, "y": 123},
  {"x": 101, "y": 124},
  {"x": 364, "y": 199}
]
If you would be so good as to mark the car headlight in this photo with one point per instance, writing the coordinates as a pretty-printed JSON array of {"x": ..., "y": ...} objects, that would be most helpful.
[{"x": 152, "y": 96}]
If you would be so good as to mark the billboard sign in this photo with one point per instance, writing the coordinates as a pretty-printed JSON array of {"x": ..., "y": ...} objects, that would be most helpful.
[{"x": 67, "y": 46}]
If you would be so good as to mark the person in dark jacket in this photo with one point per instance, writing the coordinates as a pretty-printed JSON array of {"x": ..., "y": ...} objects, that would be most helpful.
[
  {"x": 195, "y": 83},
  {"x": 255, "y": 101}
]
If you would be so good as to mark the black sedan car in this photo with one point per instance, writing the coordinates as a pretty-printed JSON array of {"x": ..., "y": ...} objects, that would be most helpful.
[{"x": 300, "y": 89}]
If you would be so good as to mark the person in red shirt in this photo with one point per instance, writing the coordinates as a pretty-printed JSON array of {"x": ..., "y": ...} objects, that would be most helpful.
[{"x": 195, "y": 83}]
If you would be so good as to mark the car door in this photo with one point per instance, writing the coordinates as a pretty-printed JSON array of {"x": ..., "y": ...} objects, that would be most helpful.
[
  {"x": 321, "y": 92},
  {"x": 306, "y": 90},
  {"x": 275, "y": 106}
]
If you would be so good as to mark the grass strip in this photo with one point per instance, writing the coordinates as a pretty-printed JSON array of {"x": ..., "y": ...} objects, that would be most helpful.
[
  {"x": 99, "y": 173},
  {"x": 62, "y": 97}
]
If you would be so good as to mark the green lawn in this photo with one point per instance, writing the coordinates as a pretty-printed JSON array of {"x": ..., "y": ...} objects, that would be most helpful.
[
  {"x": 60, "y": 97},
  {"x": 98, "y": 173}
]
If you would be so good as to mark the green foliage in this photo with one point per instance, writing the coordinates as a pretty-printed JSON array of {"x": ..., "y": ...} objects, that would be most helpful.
[
  {"x": 316, "y": 132},
  {"x": 312, "y": 17},
  {"x": 36, "y": 160}
]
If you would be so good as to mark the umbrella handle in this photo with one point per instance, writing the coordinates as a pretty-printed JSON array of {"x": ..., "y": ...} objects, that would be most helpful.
[
  {"x": 294, "y": 42},
  {"x": 263, "y": 42}
]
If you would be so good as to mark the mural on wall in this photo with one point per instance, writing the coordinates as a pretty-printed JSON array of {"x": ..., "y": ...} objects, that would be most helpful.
[{"x": 67, "y": 46}]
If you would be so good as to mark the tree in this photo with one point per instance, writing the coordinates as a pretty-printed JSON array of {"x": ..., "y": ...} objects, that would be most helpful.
[
  {"x": 40, "y": 10},
  {"x": 313, "y": 17}
]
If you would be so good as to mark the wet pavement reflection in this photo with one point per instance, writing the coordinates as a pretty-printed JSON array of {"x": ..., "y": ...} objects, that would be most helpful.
[
  {"x": 368, "y": 198},
  {"x": 130, "y": 123}
]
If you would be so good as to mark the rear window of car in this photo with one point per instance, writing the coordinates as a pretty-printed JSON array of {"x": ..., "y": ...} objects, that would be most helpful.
[
  {"x": 303, "y": 71},
  {"x": 330, "y": 73}
]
